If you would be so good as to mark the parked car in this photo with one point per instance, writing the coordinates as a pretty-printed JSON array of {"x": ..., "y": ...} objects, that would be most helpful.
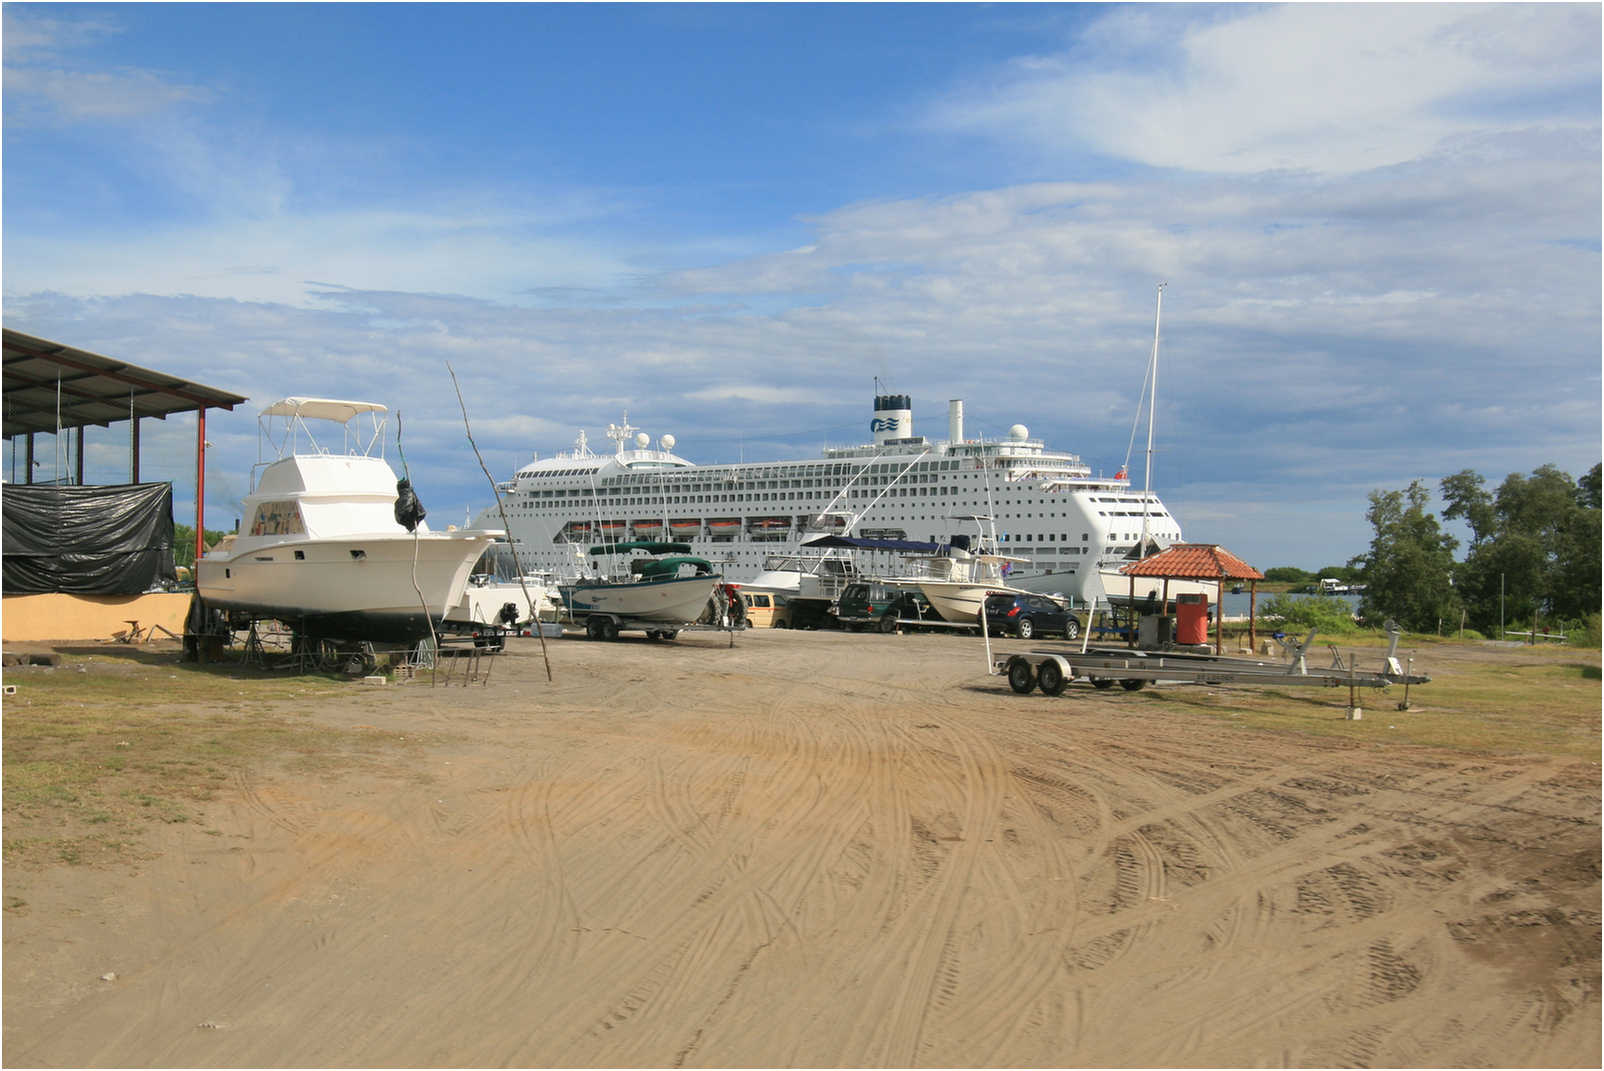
[
  {"x": 878, "y": 606},
  {"x": 1030, "y": 615}
]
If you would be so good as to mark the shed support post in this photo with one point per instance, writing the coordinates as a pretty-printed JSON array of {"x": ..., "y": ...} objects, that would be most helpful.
[
  {"x": 1253, "y": 614},
  {"x": 1219, "y": 616},
  {"x": 133, "y": 450},
  {"x": 200, "y": 484},
  {"x": 28, "y": 461},
  {"x": 78, "y": 466}
]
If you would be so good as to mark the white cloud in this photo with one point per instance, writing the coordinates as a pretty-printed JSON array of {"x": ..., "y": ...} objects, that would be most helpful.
[
  {"x": 1332, "y": 88},
  {"x": 295, "y": 259},
  {"x": 94, "y": 95}
]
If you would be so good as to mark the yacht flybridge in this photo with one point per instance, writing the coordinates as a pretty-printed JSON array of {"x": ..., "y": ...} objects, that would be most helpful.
[
  {"x": 323, "y": 546},
  {"x": 1058, "y": 525}
]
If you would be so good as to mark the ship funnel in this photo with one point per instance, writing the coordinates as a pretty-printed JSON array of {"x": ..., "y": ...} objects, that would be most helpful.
[
  {"x": 955, "y": 421},
  {"x": 893, "y": 418}
]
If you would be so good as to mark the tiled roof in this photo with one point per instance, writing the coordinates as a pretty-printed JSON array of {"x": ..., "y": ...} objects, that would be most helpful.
[{"x": 1194, "y": 561}]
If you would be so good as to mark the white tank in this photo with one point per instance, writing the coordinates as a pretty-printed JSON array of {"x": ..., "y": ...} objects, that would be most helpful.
[{"x": 893, "y": 417}]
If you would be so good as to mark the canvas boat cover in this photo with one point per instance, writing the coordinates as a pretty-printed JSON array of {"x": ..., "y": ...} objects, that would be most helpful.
[
  {"x": 905, "y": 546},
  {"x": 648, "y": 545},
  {"x": 109, "y": 540}
]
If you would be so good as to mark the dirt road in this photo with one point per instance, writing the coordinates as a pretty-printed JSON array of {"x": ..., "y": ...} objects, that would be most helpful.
[{"x": 827, "y": 849}]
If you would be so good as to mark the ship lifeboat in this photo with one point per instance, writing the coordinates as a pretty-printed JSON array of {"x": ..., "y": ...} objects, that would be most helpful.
[
  {"x": 685, "y": 526},
  {"x": 724, "y": 529},
  {"x": 648, "y": 529},
  {"x": 770, "y": 524}
]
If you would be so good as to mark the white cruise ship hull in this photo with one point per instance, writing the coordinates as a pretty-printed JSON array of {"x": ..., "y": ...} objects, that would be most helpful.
[{"x": 1059, "y": 524}]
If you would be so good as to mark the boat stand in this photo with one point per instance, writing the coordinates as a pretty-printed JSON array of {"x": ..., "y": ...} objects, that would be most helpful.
[{"x": 472, "y": 658}]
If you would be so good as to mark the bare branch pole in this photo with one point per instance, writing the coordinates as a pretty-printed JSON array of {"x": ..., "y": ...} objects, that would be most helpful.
[
  {"x": 506, "y": 525},
  {"x": 428, "y": 618}
]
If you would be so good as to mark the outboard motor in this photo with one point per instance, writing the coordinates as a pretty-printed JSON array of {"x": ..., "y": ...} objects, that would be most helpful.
[{"x": 409, "y": 512}]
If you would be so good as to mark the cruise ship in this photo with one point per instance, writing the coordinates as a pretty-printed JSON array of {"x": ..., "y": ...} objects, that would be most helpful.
[{"x": 1065, "y": 531}]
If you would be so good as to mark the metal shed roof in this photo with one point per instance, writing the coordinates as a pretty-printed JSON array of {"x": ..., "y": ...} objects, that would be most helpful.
[{"x": 94, "y": 390}]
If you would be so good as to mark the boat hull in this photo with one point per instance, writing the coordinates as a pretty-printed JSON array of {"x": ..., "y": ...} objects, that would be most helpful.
[
  {"x": 354, "y": 588},
  {"x": 677, "y": 601},
  {"x": 959, "y": 602}
]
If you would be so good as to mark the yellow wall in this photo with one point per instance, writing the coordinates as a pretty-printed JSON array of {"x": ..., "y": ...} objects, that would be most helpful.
[{"x": 30, "y": 618}]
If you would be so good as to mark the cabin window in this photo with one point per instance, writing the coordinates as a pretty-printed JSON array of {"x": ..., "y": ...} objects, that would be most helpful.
[{"x": 278, "y": 518}]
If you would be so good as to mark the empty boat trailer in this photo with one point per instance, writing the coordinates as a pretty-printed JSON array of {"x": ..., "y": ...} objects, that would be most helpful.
[{"x": 1131, "y": 668}]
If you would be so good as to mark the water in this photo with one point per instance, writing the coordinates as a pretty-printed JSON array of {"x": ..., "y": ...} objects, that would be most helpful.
[{"x": 1237, "y": 605}]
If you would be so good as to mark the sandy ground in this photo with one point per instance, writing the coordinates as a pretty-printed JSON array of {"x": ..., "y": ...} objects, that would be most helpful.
[{"x": 830, "y": 849}]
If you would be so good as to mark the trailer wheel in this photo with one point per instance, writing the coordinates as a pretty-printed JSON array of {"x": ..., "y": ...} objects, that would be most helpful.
[
  {"x": 1021, "y": 677},
  {"x": 593, "y": 628},
  {"x": 1102, "y": 683},
  {"x": 1050, "y": 677},
  {"x": 888, "y": 624},
  {"x": 1132, "y": 684}
]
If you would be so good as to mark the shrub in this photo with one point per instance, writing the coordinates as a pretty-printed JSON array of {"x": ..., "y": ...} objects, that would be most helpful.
[
  {"x": 1326, "y": 613},
  {"x": 1584, "y": 633}
]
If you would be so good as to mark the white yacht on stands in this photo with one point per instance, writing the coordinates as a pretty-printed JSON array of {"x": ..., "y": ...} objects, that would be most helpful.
[
  {"x": 1058, "y": 524},
  {"x": 322, "y": 548}
]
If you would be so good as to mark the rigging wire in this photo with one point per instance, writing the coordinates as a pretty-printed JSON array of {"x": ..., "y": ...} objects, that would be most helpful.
[{"x": 534, "y": 612}]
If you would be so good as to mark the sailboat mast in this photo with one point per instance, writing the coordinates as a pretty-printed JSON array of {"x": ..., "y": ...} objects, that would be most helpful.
[{"x": 1152, "y": 410}]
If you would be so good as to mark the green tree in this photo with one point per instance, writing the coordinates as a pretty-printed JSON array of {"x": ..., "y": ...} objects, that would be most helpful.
[
  {"x": 184, "y": 543},
  {"x": 1588, "y": 488},
  {"x": 1287, "y": 574},
  {"x": 1535, "y": 551},
  {"x": 1468, "y": 500},
  {"x": 1408, "y": 572}
]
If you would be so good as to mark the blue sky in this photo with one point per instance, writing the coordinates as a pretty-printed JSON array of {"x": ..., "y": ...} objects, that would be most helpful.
[{"x": 1379, "y": 225}]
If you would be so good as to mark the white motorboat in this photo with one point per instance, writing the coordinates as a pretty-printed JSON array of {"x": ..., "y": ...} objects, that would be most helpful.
[
  {"x": 665, "y": 587},
  {"x": 954, "y": 576},
  {"x": 322, "y": 548},
  {"x": 495, "y": 584}
]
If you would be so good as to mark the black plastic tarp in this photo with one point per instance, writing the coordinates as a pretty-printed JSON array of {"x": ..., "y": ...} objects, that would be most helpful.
[{"x": 110, "y": 540}]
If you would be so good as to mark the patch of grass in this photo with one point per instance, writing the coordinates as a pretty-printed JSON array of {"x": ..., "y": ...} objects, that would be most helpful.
[
  {"x": 98, "y": 752},
  {"x": 1481, "y": 698}
]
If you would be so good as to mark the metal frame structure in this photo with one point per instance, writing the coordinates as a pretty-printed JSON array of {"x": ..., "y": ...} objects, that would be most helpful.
[{"x": 48, "y": 387}]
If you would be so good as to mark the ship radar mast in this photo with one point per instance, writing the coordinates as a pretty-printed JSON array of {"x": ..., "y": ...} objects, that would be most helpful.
[{"x": 621, "y": 433}]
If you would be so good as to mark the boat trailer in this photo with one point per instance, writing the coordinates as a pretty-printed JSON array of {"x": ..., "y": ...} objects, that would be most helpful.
[{"x": 1132, "y": 668}]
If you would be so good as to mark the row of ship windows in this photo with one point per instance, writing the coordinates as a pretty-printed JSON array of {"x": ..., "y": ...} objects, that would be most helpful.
[{"x": 892, "y": 475}]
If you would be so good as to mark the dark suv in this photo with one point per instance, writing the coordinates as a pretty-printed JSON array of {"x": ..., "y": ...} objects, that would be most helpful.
[
  {"x": 878, "y": 606},
  {"x": 1029, "y": 615}
]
